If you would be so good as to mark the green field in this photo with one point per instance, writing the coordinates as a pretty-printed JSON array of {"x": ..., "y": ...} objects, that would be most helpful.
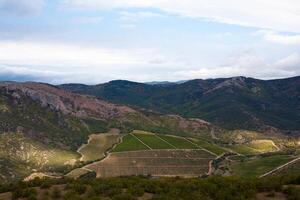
[
  {"x": 130, "y": 143},
  {"x": 256, "y": 147},
  {"x": 258, "y": 166},
  {"x": 179, "y": 143},
  {"x": 245, "y": 150},
  {"x": 97, "y": 145},
  {"x": 211, "y": 147},
  {"x": 292, "y": 169},
  {"x": 152, "y": 140},
  {"x": 263, "y": 145},
  {"x": 158, "y": 141}
]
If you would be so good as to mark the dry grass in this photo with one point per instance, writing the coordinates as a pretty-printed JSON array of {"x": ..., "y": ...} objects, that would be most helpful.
[{"x": 97, "y": 145}]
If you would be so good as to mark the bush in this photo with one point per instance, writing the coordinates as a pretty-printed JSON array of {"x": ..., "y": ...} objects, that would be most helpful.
[
  {"x": 56, "y": 193},
  {"x": 293, "y": 193},
  {"x": 124, "y": 196},
  {"x": 77, "y": 188}
]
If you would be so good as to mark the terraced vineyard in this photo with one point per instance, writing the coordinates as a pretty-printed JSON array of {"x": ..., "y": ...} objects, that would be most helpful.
[
  {"x": 186, "y": 163},
  {"x": 141, "y": 140},
  {"x": 145, "y": 153}
]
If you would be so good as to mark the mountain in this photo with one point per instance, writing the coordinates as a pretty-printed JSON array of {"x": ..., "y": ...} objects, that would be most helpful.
[
  {"x": 232, "y": 103},
  {"x": 42, "y": 126}
]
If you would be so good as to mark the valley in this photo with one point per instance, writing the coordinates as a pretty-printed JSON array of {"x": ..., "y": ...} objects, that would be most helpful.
[{"x": 50, "y": 134}]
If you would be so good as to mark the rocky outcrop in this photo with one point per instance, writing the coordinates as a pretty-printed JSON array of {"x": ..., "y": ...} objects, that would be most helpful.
[{"x": 66, "y": 102}]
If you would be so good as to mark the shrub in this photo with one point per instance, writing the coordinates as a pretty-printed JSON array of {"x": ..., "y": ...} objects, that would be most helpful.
[{"x": 56, "y": 193}]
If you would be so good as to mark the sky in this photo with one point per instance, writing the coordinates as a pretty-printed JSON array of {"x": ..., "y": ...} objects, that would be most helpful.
[{"x": 95, "y": 41}]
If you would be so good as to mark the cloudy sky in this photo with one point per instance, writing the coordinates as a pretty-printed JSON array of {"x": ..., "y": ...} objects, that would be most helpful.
[{"x": 94, "y": 41}]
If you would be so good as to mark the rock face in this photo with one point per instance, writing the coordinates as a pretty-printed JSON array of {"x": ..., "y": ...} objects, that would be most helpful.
[{"x": 66, "y": 102}]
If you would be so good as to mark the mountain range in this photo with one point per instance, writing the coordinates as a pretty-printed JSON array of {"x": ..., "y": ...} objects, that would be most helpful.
[
  {"x": 42, "y": 126},
  {"x": 232, "y": 103}
]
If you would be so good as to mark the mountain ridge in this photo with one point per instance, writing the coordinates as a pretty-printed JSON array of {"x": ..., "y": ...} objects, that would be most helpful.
[{"x": 256, "y": 104}]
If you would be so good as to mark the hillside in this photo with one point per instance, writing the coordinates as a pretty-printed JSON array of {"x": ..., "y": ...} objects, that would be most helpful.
[
  {"x": 233, "y": 103},
  {"x": 40, "y": 123}
]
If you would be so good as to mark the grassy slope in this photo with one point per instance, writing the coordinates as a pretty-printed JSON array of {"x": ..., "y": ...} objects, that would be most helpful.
[
  {"x": 98, "y": 144},
  {"x": 24, "y": 155},
  {"x": 263, "y": 145},
  {"x": 256, "y": 147}
]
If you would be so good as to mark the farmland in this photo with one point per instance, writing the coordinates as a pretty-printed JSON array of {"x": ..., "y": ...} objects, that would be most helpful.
[
  {"x": 97, "y": 145},
  {"x": 257, "y": 166},
  {"x": 255, "y": 147},
  {"x": 129, "y": 143},
  {"x": 186, "y": 163},
  {"x": 146, "y": 153},
  {"x": 152, "y": 140},
  {"x": 141, "y": 140},
  {"x": 292, "y": 169},
  {"x": 179, "y": 142},
  {"x": 209, "y": 146}
]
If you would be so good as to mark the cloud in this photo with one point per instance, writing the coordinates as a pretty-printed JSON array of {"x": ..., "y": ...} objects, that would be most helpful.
[
  {"x": 275, "y": 37},
  {"x": 280, "y": 15},
  {"x": 247, "y": 64},
  {"x": 20, "y": 7},
  {"x": 129, "y": 19},
  {"x": 41, "y": 53},
  {"x": 136, "y": 16},
  {"x": 87, "y": 20},
  {"x": 63, "y": 63},
  {"x": 291, "y": 62}
]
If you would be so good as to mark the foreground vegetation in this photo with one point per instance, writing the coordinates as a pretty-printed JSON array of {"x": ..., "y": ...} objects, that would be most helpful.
[{"x": 131, "y": 188}]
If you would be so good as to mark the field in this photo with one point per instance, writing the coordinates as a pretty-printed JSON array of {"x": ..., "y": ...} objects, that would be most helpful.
[
  {"x": 243, "y": 149},
  {"x": 153, "y": 141},
  {"x": 129, "y": 143},
  {"x": 145, "y": 153},
  {"x": 97, "y": 145},
  {"x": 260, "y": 165},
  {"x": 255, "y": 147},
  {"x": 141, "y": 140},
  {"x": 186, "y": 163},
  {"x": 291, "y": 169},
  {"x": 209, "y": 146},
  {"x": 178, "y": 142}
]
